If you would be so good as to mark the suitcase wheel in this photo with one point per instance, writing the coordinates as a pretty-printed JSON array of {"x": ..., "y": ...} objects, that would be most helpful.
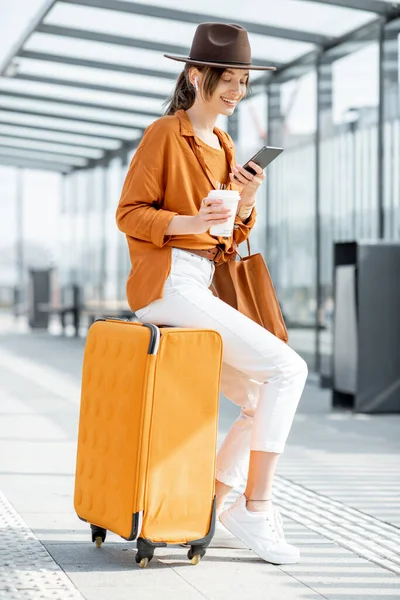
[
  {"x": 98, "y": 535},
  {"x": 145, "y": 552},
  {"x": 143, "y": 563},
  {"x": 195, "y": 554}
]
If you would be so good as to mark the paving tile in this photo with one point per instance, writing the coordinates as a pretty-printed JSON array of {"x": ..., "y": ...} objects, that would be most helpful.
[
  {"x": 223, "y": 575},
  {"x": 159, "y": 592},
  {"x": 333, "y": 455}
]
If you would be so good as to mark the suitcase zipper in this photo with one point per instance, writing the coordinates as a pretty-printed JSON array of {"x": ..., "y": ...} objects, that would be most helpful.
[{"x": 154, "y": 344}]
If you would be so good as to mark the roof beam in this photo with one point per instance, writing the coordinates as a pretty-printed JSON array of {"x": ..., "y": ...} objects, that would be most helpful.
[
  {"x": 161, "y": 12},
  {"x": 95, "y": 36},
  {"x": 90, "y": 86},
  {"x": 119, "y": 153},
  {"x": 117, "y": 109},
  {"x": 12, "y": 138},
  {"x": 380, "y": 7},
  {"x": 311, "y": 58},
  {"x": 96, "y": 64},
  {"x": 28, "y": 163},
  {"x": 71, "y": 160},
  {"x": 33, "y": 138},
  {"x": 7, "y": 143},
  {"x": 69, "y": 131},
  {"x": 39, "y": 18},
  {"x": 39, "y": 113}
]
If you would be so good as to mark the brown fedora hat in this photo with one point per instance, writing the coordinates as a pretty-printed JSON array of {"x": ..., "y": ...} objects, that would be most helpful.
[{"x": 220, "y": 45}]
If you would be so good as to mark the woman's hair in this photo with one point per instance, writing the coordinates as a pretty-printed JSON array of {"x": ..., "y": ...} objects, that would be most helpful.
[{"x": 184, "y": 93}]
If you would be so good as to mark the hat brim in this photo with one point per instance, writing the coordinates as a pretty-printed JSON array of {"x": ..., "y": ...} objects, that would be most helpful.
[{"x": 187, "y": 59}]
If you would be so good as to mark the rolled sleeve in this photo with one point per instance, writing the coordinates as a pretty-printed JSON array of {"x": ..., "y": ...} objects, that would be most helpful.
[
  {"x": 140, "y": 213},
  {"x": 242, "y": 230},
  {"x": 160, "y": 223}
]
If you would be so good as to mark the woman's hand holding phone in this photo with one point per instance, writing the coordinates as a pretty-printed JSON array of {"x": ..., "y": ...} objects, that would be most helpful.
[{"x": 247, "y": 182}]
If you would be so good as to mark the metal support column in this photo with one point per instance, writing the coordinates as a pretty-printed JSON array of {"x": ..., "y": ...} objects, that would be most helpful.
[
  {"x": 103, "y": 251},
  {"x": 72, "y": 208},
  {"x": 380, "y": 148},
  {"x": 122, "y": 253},
  {"x": 233, "y": 126},
  {"x": 275, "y": 137},
  {"x": 268, "y": 182},
  {"x": 19, "y": 254},
  {"x": 318, "y": 289}
]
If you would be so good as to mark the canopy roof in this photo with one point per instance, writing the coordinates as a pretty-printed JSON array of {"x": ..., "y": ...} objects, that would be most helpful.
[{"x": 89, "y": 75}]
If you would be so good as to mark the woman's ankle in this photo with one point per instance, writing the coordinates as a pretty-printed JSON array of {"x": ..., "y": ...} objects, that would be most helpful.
[{"x": 258, "y": 505}]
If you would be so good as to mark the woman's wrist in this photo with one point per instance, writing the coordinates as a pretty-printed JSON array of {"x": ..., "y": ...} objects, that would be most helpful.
[
  {"x": 247, "y": 200},
  {"x": 183, "y": 225},
  {"x": 245, "y": 208},
  {"x": 245, "y": 212}
]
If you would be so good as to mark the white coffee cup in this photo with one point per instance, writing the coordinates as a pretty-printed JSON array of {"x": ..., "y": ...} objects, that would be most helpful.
[{"x": 230, "y": 200}]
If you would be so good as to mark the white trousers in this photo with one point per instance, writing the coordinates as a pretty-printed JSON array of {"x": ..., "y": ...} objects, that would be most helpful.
[{"x": 260, "y": 373}]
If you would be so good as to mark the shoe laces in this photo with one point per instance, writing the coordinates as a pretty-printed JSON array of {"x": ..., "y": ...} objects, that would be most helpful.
[
  {"x": 270, "y": 519},
  {"x": 278, "y": 522}
]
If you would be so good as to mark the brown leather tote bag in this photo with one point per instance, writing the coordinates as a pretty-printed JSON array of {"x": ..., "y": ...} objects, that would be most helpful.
[{"x": 246, "y": 285}]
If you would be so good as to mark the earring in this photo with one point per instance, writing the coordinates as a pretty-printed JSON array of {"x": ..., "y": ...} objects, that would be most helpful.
[{"x": 196, "y": 84}]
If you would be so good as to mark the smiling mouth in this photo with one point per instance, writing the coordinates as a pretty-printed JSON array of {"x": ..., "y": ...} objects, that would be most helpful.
[{"x": 228, "y": 101}]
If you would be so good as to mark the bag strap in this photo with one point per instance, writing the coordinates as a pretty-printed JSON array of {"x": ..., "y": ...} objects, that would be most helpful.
[{"x": 236, "y": 248}]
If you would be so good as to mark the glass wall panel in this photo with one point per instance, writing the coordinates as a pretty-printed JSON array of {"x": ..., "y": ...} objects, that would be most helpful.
[
  {"x": 123, "y": 259},
  {"x": 80, "y": 228},
  {"x": 93, "y": 289},
  {"x": 29, "y": 227},
  {"x": 391, "y": 143},
  {"x": 291, "y": 205},
  {"x": 65, "y": 264},
  {"x": 252, "y": 135},
  {"x": 348, "y": 191},
  {"x": 8, "y": 234},
  {"x": 74, "y": 229},
  {"x": 113, "y": 236}
]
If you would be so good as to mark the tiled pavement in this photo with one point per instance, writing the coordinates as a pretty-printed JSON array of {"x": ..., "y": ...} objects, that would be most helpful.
[{"x": 338, "y": 488}]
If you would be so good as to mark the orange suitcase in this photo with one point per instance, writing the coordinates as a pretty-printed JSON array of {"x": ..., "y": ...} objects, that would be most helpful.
[{"x": 147, "y": 435}]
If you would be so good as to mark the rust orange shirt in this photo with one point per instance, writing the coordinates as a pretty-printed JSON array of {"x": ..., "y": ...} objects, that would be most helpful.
[
  {"x": 168, "y": 176},
  {"x": 217, "y": 163}
]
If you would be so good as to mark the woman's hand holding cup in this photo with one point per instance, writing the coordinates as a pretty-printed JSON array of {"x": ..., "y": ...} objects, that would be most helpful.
[{"x": 212, "y": 212}]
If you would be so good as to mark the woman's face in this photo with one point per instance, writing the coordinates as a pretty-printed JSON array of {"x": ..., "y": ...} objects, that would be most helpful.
[{"x": 230, "y": 90}]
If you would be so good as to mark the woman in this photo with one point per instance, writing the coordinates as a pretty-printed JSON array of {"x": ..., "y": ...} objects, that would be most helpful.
[{"x": 166, "y": 217}]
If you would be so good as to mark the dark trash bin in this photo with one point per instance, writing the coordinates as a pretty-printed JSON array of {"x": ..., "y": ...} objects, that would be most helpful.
[
  {"x": 366, "y": 349},
  {"x": 39, "y": 288}
]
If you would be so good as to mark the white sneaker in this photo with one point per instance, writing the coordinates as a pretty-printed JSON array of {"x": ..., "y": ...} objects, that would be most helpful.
[
  {"x": 260, "y": 533},
  {"x": 278, "y": 523}
]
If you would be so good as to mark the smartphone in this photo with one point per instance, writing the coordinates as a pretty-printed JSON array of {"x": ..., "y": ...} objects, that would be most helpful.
[{"x": 263, "y": 158}]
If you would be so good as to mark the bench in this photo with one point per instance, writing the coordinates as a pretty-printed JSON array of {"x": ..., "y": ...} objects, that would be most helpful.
[{"x": 71, "y": 304}]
